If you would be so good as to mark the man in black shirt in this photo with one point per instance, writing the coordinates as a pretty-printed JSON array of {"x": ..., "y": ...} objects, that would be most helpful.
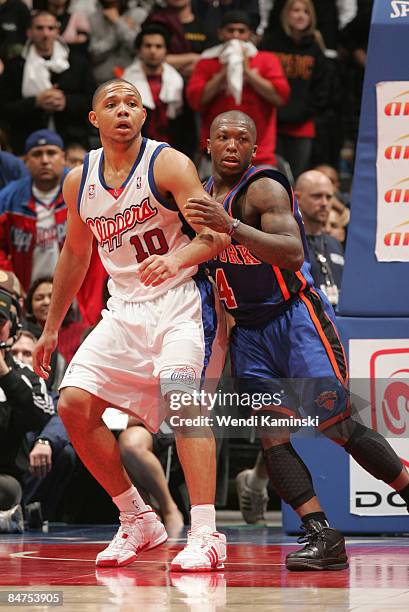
[
  {"x": 24, "y": 405},
  {"x": 315, "y": 192}
]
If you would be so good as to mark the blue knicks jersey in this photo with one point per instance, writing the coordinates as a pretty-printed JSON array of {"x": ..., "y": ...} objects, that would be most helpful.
[{"x": 253, "y": 291}]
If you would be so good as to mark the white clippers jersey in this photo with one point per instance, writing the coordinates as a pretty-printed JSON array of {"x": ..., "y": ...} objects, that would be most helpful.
[{"x": 132, "y": 223}]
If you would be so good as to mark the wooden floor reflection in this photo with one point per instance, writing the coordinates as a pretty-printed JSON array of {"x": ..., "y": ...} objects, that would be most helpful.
[{"x": 254, "y": 578}]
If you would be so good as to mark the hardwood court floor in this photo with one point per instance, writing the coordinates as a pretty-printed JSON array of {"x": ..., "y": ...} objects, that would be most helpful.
[{"x": 254, "y": 579}]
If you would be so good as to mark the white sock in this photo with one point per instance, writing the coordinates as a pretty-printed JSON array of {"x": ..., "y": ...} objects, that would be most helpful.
[
  {"x": 130, "y": 501},
  {"x": 256, "y": 483},
  {"x": 203, "y": 515}
]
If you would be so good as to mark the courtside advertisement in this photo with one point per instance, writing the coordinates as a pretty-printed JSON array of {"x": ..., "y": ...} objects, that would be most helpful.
[
  {"x": 379, "y": 371},
  {"x": 392, "y": 168}
]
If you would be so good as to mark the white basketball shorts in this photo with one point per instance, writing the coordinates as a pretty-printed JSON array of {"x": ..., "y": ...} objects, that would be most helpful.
[{"x": 141, "y": 351}]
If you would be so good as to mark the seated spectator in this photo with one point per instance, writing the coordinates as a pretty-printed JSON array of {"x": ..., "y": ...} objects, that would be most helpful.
[
  {"x": 301, "y": 51},
  {"x": 74, "y": 155},
  {"x": 11, "y": 168},
  {"x": 46, "y": 86},
  {"x": 37, "y": 305},
  {"x": 333, "y": 175},
  {"x": 33, "y": 212},
  {"x": 160, "y": 85},
  {"x": 52, "y": 457},
  {"x": 315, "y": 193},
  {"x": 33, "y": 219},
  {"x": 338, "y": 220},
  {"x": 217, "y": 86},
  {"x": 113, "y": 30},
  {"x": 24, "y": 405},
  {"x": 74, "y": 25}
]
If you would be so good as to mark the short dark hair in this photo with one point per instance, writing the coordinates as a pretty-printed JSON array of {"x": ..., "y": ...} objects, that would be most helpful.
[
  {"x": 40, "y": 13},
  {"x": 235, "y": 17},
  {"x": 152, "y": 28}
]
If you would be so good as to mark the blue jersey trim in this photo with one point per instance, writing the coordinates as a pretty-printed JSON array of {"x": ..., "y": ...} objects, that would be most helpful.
[
  {"x": 151, "y": 179},
  {"x": 132, "y": 171},
  {"x": 83, "y": 179}
]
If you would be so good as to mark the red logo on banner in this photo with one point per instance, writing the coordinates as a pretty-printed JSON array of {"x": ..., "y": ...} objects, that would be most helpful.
[
  {"x": 390, "y": 393},
  {"x": 397, "y": 237},
  {"x": 398, "y": 194},
  {"x": 397, "y": 108}
]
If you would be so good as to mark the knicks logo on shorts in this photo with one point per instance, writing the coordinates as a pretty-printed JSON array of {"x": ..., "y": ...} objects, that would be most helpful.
[
  {"x": 327, "y": 400},
  {"x": 185, "y": 373}
]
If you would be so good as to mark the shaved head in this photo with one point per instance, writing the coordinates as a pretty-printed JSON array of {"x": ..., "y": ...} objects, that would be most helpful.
[
  {"x": 234, "y": 118},
  {"x": 310, "y": 178},
  {"x": 100, "y": 91}
]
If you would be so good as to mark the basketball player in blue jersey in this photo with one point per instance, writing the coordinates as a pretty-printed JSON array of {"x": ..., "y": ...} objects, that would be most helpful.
[
  {"x": 151, "y": 341},
  {"x": 285, "y": 329}
]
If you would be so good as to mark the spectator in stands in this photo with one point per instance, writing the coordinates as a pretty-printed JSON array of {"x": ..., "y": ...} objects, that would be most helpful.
[
  {"x": 211, "y": 13},
  {"x": 187, "y": 40},
  {"x": 113, "y": 31},
  {"x": 74, "y": 155},
  {"x": 33, "y": 212},
  {"x": 46, "y": 86},
  {"x": 37, "y": 304},
  {"x": 234, "y": 75},
  {"x": 315, "y": 193},
  {"x": 187, "y": 34},
  {"x": 300, "y": 49},
  {"x": 14, "y": 22},
  {"x": 74, "y": 25},
  {"x": 338, "y": 220},
  {"x": 160, "y": 85},
  {"x": 11, "y": 168},
  {"x": 332, "y": 173},
  {"x": 33, "y": 219},
  {"x": 24, "y": 405}
]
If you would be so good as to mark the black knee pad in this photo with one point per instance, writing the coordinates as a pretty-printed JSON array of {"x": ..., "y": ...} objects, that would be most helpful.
[
  {"x": 290, "y": 477},
  {"x": 374, "y": 453}
]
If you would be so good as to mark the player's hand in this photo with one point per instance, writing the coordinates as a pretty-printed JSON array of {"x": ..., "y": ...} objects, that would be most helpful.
[
  {"x": 40, "y": 460},
  {"x": 158, "y": 268},
  {"x": 209, "y": 212},
  {"x": 42, "y": 354}
]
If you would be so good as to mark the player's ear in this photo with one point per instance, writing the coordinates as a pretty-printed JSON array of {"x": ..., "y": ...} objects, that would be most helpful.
[
  {"x": 208, "y": 145},
  {"x": 144, "y": 115},
  {"x": 255, "y": 147},
  {"x": 92, "y": 117}
]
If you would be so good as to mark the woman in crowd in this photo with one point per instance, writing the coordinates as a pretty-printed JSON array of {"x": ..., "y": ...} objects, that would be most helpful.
[{"x": 300, "y": 48}]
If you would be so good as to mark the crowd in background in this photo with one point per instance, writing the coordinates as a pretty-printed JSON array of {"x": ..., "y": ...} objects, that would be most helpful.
[{"x": 295, "y": 66}]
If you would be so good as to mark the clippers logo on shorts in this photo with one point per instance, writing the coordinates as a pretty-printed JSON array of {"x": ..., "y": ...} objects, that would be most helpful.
[
  {"x": 91, "y": 191},
  {"x": 109, "y": 231},
  {"x": 327, "y": 400},
  {"x": 185, "y": 374}
]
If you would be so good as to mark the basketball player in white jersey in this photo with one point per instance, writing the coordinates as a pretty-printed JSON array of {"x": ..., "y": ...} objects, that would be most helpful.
[{"x": 150, "y": 342}]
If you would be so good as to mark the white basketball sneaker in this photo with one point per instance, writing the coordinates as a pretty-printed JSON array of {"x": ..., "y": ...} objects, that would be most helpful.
[
  {"x": 205, "y": 552},
  {"x": 137, "y": 532}
]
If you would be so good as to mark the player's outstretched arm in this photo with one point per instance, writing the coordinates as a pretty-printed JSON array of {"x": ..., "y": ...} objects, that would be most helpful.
[
  {"x": 176, "y": 175},
  {"x": 69, "y": 274},
  {"x": 278, "y": 242}
]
